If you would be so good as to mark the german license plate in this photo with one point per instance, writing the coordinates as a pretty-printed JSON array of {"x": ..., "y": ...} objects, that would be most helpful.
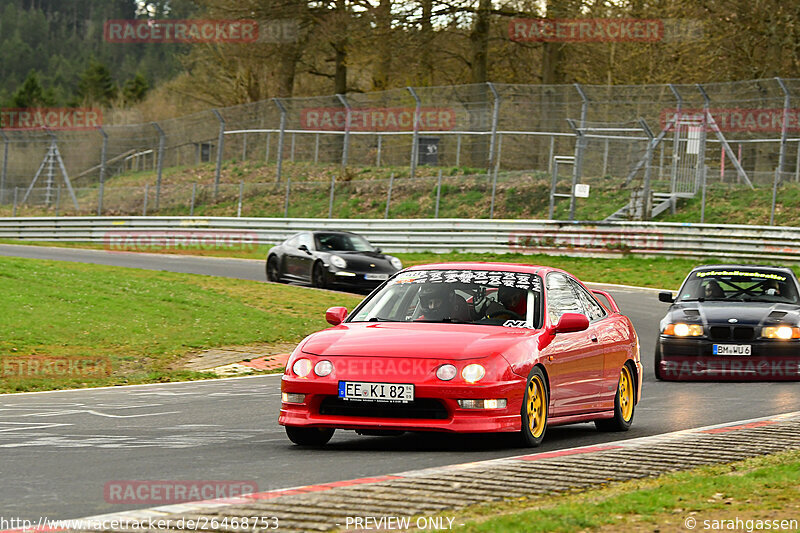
[
  {"x": 376, "y": 277},
  {"x": 376, "y": 392},
  {"x": 731, "y": 349}
]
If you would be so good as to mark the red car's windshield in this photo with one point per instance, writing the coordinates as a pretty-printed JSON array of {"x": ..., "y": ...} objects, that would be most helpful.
[{"x": 510, "y": 299}]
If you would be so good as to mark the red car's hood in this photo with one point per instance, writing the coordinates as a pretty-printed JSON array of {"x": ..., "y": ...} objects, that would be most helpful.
[{"x": 427, "y": 341}]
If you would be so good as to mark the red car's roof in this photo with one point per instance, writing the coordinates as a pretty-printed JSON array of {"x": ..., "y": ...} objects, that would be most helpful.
[{"x": 477, "y": 265}]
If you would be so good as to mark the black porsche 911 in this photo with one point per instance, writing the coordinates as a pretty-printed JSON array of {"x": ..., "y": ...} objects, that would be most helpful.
[
  {"x": 731, "y": 322},
  {"x": 330, "y": 258}
]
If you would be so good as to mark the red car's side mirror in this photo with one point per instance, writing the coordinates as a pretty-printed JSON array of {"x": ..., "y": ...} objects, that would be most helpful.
[
  {"x": 336, "y": 315},
  {"x": 571, "y": 322}
]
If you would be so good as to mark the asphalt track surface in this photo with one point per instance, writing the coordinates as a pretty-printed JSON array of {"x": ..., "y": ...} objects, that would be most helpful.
[{"x": 60, "y": 449}]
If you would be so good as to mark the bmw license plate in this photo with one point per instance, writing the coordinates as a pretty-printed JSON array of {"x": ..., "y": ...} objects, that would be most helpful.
[
  {"x": 376, "y": 277},
  {"x": 376, "y": 392},
  {"x": 731, "y": 349}
]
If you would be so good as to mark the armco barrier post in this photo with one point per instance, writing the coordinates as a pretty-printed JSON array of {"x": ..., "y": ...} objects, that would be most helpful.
[
  {"x": 415, "y": 137},
  {"x": 161, "y": 141},
  {"x": 103, "y": 152},
  {"x": 220, "y": 150},
  {"x": 16, "y": 194},
  {"x": 281, "y": 135}
]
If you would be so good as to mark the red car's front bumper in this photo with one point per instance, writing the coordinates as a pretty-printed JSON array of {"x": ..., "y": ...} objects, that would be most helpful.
[{"x": 435, "y": 406}]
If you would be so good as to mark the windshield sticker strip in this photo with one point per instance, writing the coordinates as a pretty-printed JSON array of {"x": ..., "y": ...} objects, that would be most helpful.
[
  {"x": 751, "y": 274},
  {"x": 491, "y": 278}
]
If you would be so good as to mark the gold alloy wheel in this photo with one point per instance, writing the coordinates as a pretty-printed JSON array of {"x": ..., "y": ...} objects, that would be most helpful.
[
  {"x": 626, "y": 393},
  {"x": 535, "y": 408}
]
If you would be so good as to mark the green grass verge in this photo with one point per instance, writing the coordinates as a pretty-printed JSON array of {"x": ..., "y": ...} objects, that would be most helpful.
[
  {"x": 763, "y": 488},
  {"x": 654, "y": 272},
  {"x": 142, "y": 321}
]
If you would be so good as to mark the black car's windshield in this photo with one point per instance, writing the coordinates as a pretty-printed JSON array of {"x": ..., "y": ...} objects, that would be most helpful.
[
  {"x": 739, "y": 285},
  {"x": 511, "y": 299},
  {"x": 342, "y": 242}
]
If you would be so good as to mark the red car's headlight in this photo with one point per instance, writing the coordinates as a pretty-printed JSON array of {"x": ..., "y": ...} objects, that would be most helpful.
[
  {"x": 473, "y": 373},
  {"x": 446, "y": 372},
  {"x": 302, "y": 367}
]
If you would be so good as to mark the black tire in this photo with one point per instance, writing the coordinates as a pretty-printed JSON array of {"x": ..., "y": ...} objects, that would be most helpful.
[
  {"x": 309, "y": 436},
  {"x": 534, "y": 412},
  {"x": 318, "y": 279},
  {"x": 273, "y": 270},
  {"x": 657, "y": 364},
  {"x": 624, "y": 403}
]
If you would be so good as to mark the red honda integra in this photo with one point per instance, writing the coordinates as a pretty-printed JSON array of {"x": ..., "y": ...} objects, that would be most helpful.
[{"x": 466, "y": 347}]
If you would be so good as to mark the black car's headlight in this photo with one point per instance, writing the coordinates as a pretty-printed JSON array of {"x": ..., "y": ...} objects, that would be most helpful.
[
  {"x": 683, "y": 330},
  {"x": 338, "y": 262},
  {"x": 396, "y": 263},
  {"x": 780, "y": 332}
]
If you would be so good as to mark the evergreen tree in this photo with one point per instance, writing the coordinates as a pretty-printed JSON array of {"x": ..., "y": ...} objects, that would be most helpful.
[
  {"x": 135, "y": 89},
  {"x": 96, "y": 85},
  {"x": 32, "y": 94}
]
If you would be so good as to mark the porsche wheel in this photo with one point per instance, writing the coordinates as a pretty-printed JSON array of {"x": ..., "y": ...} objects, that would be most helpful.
[
  {"x": 534, "y": 409},
  {"x": 318, "y": 276},
  {"x": 273, "y": 271},
  {"x": 309, "y": 436},
  {"x": 623, "y": 404}
]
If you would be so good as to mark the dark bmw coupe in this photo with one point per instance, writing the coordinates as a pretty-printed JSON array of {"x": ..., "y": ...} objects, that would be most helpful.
[
  {"x": 732, "y": 322},
  {"x": 330, "y": 258}
]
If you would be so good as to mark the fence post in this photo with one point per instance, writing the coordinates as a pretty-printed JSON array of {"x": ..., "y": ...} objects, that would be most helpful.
[
  {"x": 784, "y": 124},
  {"x": 4, "y": 172},
  {"x": 552, "y": 153},
  {"x": 346, "y": 145},
  {"x": 241, "y": 194},
  {"x": 648, "y": 169},
  {"x": 194, "y": 193},
  {"x": 144, "y": 207},
  {"x": 458, "y": 149},
  {"x": 415, "y": 137},
  {"x": 494, "y": 187},
  {"x": 316, "y": 148},
  {"x": 378, "y": 157},
  {"x": 58, "y": 198},
  {"x": 16, "y": 193},
  {"x": 220, "y": 150},
  {"x": 279, "y": 160},
  {"x": 703, "y": 198},
  {"x": 797, "y": 164},
  {"x": 438, "y": 194},
  {"x": 389, "y": 195},
  {"x": 701, "y": 156},
  {"x": 286, "y": 199},
  {"x": 330, "y": 200},
  {"x": 495, "y": 118},
  {"x": 774, "y": 196},
  {"x": 580, "y": 145},
  {"x": 103, "y": 154},
  {"x": 291, "y": 152},
  {"x": 676, "y": 137},
  {"x": 244, "y": 146},
  {"x": 161, "y": 141},
  {"x": 266, "y": 148}
]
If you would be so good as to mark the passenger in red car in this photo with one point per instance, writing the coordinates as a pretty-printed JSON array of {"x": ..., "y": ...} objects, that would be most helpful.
[
  {"x": 508, "y": 299},
  {"x": 439, "y": 301}
]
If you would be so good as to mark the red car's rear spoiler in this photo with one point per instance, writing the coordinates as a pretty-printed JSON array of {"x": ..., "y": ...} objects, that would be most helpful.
[{"x": 614, "y": 307}]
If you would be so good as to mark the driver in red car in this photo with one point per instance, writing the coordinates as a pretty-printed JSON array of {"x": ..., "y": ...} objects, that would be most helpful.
[
  {"x": 439, "y": 301},
  {"x": 509, "y": 299}
]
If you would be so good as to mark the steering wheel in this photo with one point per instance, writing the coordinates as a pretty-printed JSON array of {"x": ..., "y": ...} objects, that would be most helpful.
[{"x": 505, "y": 313}]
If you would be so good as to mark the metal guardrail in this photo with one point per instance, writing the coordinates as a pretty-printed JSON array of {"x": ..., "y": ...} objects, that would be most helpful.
[{"x": 772, "y": 243}]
